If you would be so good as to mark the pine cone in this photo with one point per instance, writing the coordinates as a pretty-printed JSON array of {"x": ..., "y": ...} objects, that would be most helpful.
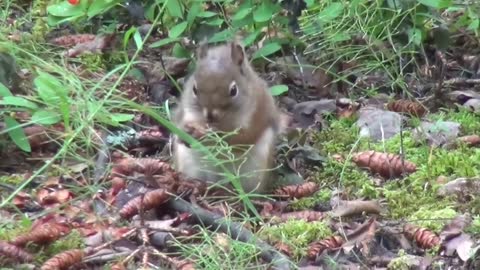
[
  {"x": 385, "y": 164},
  {"x": 407, "y": 106}
]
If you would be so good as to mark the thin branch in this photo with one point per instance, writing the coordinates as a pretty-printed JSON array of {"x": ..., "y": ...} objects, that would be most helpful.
[{"x": 234, "y": 230}]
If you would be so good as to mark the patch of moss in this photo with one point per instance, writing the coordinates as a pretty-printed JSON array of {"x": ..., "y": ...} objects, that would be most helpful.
[
  {"x": 474, "y": 227},
  {"x": 297, "y": 234},
  {"x": 339, "y": 137},
  {"x": 402, "y": 262},
  {"x": 11, "y": 179},
  {"x": 348, "y": 177},
  {"x": 470, "y": 122},
  {"x": 432, "y": 218},
  {"x": 218, "y": 251},
  {"x": 10, "y": 230},
  {"x": 321, "y": 196},
  {"x": 73, "y": 240},
  {"x": 93, "y": 62}
]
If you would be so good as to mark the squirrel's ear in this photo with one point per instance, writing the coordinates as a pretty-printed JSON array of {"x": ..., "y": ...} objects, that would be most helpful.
[
  {"x": 238, "y": 53},
  {"x": 202, "y": 49}
]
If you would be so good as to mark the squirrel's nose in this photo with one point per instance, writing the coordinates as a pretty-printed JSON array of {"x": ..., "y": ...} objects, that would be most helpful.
[{"x": 210, "y": 115}]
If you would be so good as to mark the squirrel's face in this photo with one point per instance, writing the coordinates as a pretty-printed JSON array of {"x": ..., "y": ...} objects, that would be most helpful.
[
  {"x": 219, "y": 97},
  {"x": 219, "y": 89}
]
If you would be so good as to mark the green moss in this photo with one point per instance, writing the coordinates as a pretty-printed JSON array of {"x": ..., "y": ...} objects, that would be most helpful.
[
  {"x": 470, "y": 122},
  {"x": 218, "y": 251},
  {"x": 10, "y": 230},
  {"x": 321, "y": 196},
  {"x": 297, "y": 234},
  {"x": 339, "y": 137},
  {"x": 349, "y": 177},
  {"x": 402, "y": 262},
  {"x": 12, "y": 179},
  {"x": 73, "y": 240},
  {"x": 39, "y": 12},
  {"x": 431, "y": 217},
  {"x": 93, "y": 62},
  {"x": 474, "y": 227}
]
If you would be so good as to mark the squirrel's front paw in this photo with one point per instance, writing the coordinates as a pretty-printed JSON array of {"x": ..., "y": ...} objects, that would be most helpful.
[{"x": 195, "y": 130}]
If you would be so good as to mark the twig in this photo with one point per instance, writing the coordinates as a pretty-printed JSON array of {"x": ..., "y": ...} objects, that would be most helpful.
[
  {"x": 123, "y": 236},
  {"x": 454, "y": 81},
  {"x": 234, "y": 230},
  {"x": 103, "y": 258},
  {"x": 441, "y": 57},
  {"x": 102, "y": 161}
]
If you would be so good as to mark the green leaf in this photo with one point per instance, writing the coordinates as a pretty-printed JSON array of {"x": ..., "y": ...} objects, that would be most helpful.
[
  {"x": 438, "y": 4},
  {"x": 65, "y": 9},
  {"x": 251, "y": 38},
  {"x": 215, "y": 21},
  {"x": 473, "y": 25},
  {"x": 16, "y": 133},
  {"x": 277, "y": 90},
  {"x": 222, "y": 35},
  {"x": 4, "y": 91},
  {"x": 206, "y": 14},
  {"x": 179, "y": 51},
  {"x": 242, "y": 13},
  {"x": 174, "y": 8},
  {"x": 263, "y": 13},
  {"x": 127, "y": 35},
  {"x": 331, "y": 12},
  {"x": 340, "y": 36},
  {"x": 121, "y": 117},
  {"x": 18, "y": 101},
  {"x": 415, "y": 36},
  {"x": 150, "y": 12},
  {"x": 49, "y": 88},
  {"x": 309, "y": 3},
  {"x": 177, "y": 30},
  {"x": 193, "y": 12},
  {"x": 266, "y": 50},
  {"x": 45, "y": 117},
  {"x": 163, "y": 42},
  {"x": 138, "y": 39},
  {"x": 100, "y": 6}
]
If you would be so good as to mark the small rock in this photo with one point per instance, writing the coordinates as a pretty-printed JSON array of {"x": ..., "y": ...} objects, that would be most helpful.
[
  {"x": 378, "y": 124},
  {"x": 440, "y": 133}
]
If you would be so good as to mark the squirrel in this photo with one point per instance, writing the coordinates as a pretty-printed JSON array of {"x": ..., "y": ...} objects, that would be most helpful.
[{"x": 225, "y": 94}]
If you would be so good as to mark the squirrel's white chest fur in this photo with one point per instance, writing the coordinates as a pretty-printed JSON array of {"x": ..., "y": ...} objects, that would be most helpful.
[{"x": 250, "y": 168}]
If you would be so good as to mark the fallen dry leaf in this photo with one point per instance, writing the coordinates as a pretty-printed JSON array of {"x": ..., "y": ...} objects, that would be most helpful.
[
  {"x": 455, "y": 240},
  {"x": 49, "y": 197},
  {"x": 343, "y": 208},
  {"x": 96, "y": 45},
  {"x": 71, "y": 40},
  {"x": 361, "y": 236},
  {"x": 304, "y": 113},
  {"x": 461, "y": 187}
]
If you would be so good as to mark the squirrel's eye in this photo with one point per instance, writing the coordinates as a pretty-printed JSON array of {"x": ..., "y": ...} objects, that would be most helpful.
[
  {"x": 195, "y": 90},
  {"x": 233, "y": 89}
]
